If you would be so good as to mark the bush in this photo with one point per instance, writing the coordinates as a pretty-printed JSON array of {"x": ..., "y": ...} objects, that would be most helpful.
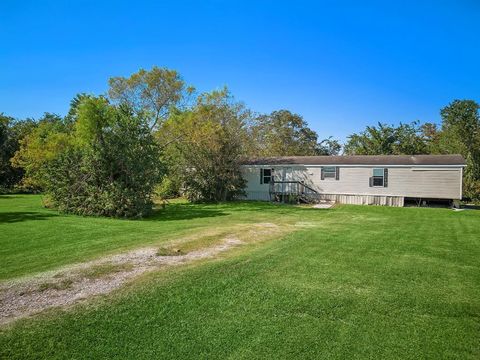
[
  {"x": 111, "y": 167},
  {"x": 168, "y": 188},
  {"x": 211, "y": 148},
  {"x": 12, "y": 133},
  {"x": 471, "y": 191}
]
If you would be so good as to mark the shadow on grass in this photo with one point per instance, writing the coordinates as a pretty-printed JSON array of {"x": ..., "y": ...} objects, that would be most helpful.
[
  {"x": 13, "y": 217},
  {"x": 188, "y": 211},
  {"x": 8, "y": 196},
  {"x": 471, "y": 207},
  {"x": 184, "y": 212}
]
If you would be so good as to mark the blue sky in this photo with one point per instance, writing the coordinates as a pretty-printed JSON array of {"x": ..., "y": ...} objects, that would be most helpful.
[{"x": 340, "y": 64}]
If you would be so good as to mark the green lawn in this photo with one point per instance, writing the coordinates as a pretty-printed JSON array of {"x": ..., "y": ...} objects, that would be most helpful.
[
  {"x": 34, "y": 239},
  {"x": 354, "y": 282}
]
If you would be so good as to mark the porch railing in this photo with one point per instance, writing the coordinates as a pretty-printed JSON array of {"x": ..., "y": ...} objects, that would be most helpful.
[{"x": 280, "y": 190}]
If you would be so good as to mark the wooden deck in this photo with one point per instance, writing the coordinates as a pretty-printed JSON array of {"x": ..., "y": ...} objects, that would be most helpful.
[{"x": 298, "y": 192}]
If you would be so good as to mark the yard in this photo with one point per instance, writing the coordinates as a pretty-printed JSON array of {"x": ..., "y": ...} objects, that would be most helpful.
[{"x": 348, "y": 282}]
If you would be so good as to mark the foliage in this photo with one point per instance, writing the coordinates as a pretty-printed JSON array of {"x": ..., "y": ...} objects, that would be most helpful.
[
  {"x": 5, "y": 151},
  {"x": 152, "y": 92},
  {"x": 169, "y": 187},
  {"x": 283, "y": 133},
  {"x": 44, "y": 143},
  {"x": 11, "y": 134},
  {"x": 210, "y": 147},
  {"x": 386, "y": 139},
  {"x": 461, "y": 135},
  {"x": 329, "y": 146},
  {"x": 461, "y": 124},
  {"x": 201, "y": 144},
  {"x": 199, "y": 147},
  {"x": 431, "y": 135},
  {"x": 110, "y": 167},
  {"x": 72, "y": 114},
  {"x": 9, "y": 143}
]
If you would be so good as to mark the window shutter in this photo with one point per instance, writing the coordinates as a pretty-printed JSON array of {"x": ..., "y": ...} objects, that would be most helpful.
[
  {"x": 322, "y": 176},
  {"x": 370, "y": 181},
  {"x": 337, "y": 173},
  {"x": 385, "y": 177},
  {"x": 261, "y": 176}
]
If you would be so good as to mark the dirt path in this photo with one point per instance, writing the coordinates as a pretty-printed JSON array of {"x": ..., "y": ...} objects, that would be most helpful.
[
  {"x": 66, "y": 286},
  {"x": 75, "y": 283}
]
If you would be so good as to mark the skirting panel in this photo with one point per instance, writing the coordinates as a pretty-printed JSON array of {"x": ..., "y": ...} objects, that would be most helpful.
[
  {"x": 363, "y": 199},
  {"x": 257, "y": 195}
]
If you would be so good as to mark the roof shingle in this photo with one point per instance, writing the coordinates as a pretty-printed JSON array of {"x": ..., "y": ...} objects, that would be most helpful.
[{"x": 360, "y": 160}]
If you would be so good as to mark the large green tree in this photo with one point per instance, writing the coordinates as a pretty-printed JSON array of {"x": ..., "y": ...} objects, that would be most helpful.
[
  {"x": 101, "y": 159},
  {"x": 44, "y": 142},
  {"x": 460, "y": 134},
  {"x": 150, "y": 92},
  {"x": 386, "y": 139},
  {"x": 8, "y": 146},
  {"x": 111, "y": 165},
  {"x": 208, "y": 143},
  {"x": 283, "y": 133},
  {"x": 12, "y": 133}
]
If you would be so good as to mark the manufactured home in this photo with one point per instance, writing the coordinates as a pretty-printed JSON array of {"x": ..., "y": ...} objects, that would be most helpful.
[{"x": 366, "y": 179}]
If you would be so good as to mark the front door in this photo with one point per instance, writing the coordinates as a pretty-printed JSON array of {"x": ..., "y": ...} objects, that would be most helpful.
[{"x": 287, "y": 175}]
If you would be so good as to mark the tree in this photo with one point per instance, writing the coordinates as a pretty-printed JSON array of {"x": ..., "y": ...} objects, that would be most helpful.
[
  {"x": 210, "y": 144},
  {"x": 152, "y": 93},
  {"x": 283, "y": 133},
  {"x": 72, "y": 114},
  {"x": 44, "y": 142},
  {"x": 329, "y": 146},
  {"x": 461, "y": 125},
  {"x": 386, "y": 139},
  {"x": 461, "y": 135},
  {"x": 8, "y": 146},
  {"x": 99, "y": 160},
  {"x": 431, "y": 136},
  {"x": 410, "y": 139},
  {"x": 110, "y": 166},
  {"x": 11, "y": 134}
]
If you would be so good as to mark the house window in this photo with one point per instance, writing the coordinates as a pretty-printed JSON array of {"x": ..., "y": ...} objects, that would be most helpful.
[
  {"x": 378, "y": 177},
  {"x": 265, "y": 176},
  {"x": 329, "y": 172}
]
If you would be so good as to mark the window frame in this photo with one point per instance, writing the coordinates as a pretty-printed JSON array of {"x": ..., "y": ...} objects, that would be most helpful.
[
  {"x": 382, "y": 177},
  {"x": 270, "y": 177},
  {"x": 325, "y": 172}
]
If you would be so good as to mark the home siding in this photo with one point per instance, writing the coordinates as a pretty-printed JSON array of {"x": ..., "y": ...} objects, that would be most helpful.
[
  {"x": 418, "y": 182},
  {"x": 255, "y": 190}
]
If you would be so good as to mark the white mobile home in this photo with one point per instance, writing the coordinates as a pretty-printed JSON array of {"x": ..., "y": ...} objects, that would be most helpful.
[{"x": 379, "y": 180}]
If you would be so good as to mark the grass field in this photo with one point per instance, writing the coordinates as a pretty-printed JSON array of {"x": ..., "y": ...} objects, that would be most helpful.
[
  {"x": 350, "y": 282},
  {"x": 34, "y": 239}
]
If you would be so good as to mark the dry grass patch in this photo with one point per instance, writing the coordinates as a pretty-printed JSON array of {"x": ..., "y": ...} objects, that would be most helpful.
[
  {"x": 165, "y": 251},
  {"x": 70, "y": 285},
  {"x": 245, "y": 233},
  {"x": 102, "y": 270},
  {"x": 61, "y": 285}
]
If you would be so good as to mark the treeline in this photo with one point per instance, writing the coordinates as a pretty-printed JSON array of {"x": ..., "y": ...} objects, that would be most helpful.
[
  {"x": 152, "y": 134},
  {"x": 459, "y": 133}
]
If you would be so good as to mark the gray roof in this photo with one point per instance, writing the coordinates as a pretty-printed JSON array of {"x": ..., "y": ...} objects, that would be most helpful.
[{"x": 360, "y": 160}]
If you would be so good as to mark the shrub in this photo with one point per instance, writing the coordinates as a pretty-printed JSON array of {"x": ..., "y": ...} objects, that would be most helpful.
[
  {"x": 168, "y": 188},
  {"x": 111, "y": 167},
  {"x": 211, "y": 148}
]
